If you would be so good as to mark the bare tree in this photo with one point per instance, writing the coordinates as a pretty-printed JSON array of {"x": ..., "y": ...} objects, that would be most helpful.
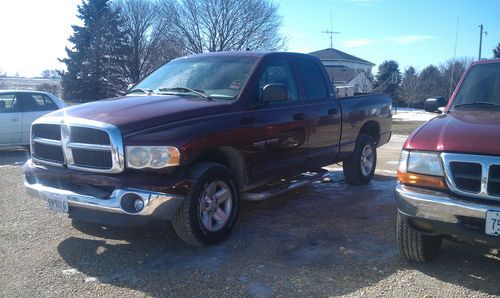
[
  {"x": 151, "y": 40},
  {"x": 452, "y": 70},
  {"x": 225, "y": 25},
  {"x": 365, "y": 81},
  {"x": 50, "y": 74},
  {"x": 409, "y": 85}
]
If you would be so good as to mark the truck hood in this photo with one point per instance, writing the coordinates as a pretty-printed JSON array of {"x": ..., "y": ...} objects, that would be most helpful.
[
  {"x": 134, "y": 113},
  {"x": 460, "y": 131}
]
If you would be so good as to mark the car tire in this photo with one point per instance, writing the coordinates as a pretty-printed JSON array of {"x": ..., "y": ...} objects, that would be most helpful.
[
  {"x": 210, "y": 209},
  {"x": 415, "y": 246},
  {"x": 360, "y": 166}
]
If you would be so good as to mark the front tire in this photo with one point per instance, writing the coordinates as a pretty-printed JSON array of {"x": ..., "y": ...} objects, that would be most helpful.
[
  {"x": 360, "y": 166},
  {"x": 209, "y": 211},
  {"x": 415, "y": 246}
]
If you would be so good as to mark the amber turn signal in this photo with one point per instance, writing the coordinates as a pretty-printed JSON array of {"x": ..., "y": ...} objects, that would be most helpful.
[{"x": 422, "y": 180}]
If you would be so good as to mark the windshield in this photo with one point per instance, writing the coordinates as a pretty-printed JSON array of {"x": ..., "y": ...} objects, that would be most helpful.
[
  {"x": 217, "y": 77},
  {"x": 480, "y": 88}
]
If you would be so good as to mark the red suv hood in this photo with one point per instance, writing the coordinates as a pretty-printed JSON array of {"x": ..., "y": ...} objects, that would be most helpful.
[
  {"x": 459, "y": 131},
  {"x": 134, "y": 113}
]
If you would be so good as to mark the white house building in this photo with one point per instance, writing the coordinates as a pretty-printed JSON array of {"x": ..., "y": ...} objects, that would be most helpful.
[{"x": 346, "y": 70}]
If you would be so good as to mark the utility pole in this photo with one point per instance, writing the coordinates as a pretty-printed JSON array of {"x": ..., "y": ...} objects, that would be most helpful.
[
  {"x": 481, "y": 39},
  {"x": 331, "y": 32}
]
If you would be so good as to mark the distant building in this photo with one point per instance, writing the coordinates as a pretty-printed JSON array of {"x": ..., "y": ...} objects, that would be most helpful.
[
  {"x": 35, "y": 84},
  {"x": 346, "y": 70}
]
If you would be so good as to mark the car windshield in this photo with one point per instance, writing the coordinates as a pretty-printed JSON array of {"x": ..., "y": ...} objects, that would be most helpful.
[
  {"x": 480, "y": 88},
  {"x": 215, "y": 77}
]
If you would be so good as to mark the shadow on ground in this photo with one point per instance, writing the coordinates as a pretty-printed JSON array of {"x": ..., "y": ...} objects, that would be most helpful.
[
  {"x": 14, "y": 157},
  {"x": 322, "y": 240}
]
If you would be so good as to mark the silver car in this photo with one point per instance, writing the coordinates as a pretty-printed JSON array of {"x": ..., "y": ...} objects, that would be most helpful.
[{"x": 18, "y": 109}]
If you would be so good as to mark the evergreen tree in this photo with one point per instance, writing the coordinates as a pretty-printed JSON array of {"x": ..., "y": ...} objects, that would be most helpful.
[
  {"x": 94, "y": 62},
  {"x": 387, "y": 79},
  {"x": 496, "y": 51}
]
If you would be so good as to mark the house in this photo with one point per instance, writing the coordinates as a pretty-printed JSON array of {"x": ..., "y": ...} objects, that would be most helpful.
[{"x": 346, "y": 70}]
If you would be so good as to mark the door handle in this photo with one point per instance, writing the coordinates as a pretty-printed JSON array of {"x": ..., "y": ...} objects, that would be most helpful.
[
  {"x": 14, "y": 119},
  {"x": 247, "y": 120},
  {"x": 333, "y": 111},
  {"x": 299, "y": 116}
]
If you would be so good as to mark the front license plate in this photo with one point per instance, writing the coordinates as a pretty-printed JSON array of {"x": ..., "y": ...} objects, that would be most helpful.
[
  {"x": 493, "y": 223},
  {"x": 57, "y": 202}
]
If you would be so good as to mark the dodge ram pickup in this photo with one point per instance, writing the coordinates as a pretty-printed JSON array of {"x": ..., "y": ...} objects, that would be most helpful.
[
  {"x": 198, "y": 135},
  {"x": 449, "y": 170}
]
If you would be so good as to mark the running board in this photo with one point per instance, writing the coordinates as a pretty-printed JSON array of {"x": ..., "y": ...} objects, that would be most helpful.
[{"x": 284, "y": 185}]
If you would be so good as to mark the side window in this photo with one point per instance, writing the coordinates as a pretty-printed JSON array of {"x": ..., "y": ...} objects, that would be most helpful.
[
  {"x": 8, "y": 103},
  {"x": 44, "y": 103},
  {"x": 280, "y": 72},
  {"x": 314, "y": 83}
]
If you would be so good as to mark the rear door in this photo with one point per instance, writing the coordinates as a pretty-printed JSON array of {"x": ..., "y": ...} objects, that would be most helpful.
[
  {"x": 281, "y": 151},
  {"x": 10, "y": 119},
  {"x": 323, "y": 114},
  {"x": 34, "y": 105}
]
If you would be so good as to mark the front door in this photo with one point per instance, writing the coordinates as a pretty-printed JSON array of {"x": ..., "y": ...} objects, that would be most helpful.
[
  {"x": 10, "y": 120},
  {"x": 281, "y": 150}
]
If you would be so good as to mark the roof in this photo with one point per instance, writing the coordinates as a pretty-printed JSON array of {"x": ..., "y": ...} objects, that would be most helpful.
[
  {"x": 23, "y": 91},
  {"x": 334, "y": 54}
]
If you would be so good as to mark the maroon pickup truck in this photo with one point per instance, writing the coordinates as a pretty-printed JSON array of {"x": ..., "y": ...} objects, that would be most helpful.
[
  {"x": 199, "y": 134},
  {"x": 449, "y": 171}
]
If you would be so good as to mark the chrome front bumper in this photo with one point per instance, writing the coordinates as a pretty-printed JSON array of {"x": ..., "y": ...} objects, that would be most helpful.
[
  {"x": 157, "y": 206},
  {"x": 437, "y": 206}
]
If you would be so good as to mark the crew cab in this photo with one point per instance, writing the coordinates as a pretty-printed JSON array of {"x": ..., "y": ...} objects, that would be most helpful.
[
  {"x": 199, "y": 134},
  {"x": 449, "y": 170}
]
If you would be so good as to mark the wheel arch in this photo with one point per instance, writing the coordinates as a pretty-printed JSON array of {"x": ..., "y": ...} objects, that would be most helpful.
[
  {"x": 371, "y": 128},
  {"x": 230, "y": 157}
]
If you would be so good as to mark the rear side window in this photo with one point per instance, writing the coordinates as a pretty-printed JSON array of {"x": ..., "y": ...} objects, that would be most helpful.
[
  {"x": 312, "y": 77},
  {"x": 8, "y": 103},
  {"x": 37, "y": 102}
]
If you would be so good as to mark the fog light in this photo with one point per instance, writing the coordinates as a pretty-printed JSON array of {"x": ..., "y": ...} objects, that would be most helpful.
[{"x": 138, "y": 204}]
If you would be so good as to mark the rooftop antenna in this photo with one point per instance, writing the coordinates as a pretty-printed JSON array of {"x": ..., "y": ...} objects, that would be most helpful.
[
  {"x": 331, "y": 32},
  {"x": 454, "y": 62}
]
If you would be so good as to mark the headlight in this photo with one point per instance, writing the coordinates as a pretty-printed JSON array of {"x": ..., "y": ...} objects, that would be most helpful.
[
  {"x": 154, "y": 157},
  {"x": 420, "y": 162}
]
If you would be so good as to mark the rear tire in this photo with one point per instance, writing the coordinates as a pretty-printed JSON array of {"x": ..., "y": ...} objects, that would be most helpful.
[
  {"x": 415, "y": 246},
  {"x": 209, "y": 211},
  {"x": 360, "y": 166}
]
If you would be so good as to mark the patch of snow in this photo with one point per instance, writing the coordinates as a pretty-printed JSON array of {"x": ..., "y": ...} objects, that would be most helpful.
[{"x": 404, "y": 114}]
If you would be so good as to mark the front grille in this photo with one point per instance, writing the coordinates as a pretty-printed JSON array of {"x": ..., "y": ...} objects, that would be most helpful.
[
  {"x": 89, "y": 136},
  {"x": 76, "y": 146},
  {"x": 473, "y": 175},
  {"x": 467, "y": 176},
  {"x": 48, "y": 153},
  {"x": 494, "y": 180},
  {"x": 92, "y": 158}
]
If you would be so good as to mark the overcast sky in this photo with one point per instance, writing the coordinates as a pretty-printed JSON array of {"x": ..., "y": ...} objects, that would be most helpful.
[{"x": 35, "y": 32}]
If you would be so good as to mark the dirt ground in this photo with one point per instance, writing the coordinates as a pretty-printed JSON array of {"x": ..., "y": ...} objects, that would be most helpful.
[{"x": 327, "y": 239}]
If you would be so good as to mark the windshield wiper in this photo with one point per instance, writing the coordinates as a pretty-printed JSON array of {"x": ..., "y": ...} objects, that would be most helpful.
[
  {"x": 140, "y": 90},
  {"x": 476, "y": 103},
  {"x": 187, "y": 89}
]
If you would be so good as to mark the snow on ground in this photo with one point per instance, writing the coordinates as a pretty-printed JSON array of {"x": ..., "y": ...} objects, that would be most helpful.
[{"x": 405, "y": 114}]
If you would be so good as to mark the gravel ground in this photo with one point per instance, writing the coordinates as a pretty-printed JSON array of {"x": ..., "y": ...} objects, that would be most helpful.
[{"x": 327, "y": 239}]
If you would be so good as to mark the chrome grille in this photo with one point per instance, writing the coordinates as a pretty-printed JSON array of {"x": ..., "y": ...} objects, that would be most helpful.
[
  {"x": 77, "y": 144},
  {"x": 473, "y": 175}
]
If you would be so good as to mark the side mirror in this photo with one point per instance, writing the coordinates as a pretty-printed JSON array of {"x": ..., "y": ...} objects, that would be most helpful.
[
  {"x": 435, "y": 104},
  {"x": 274, "y": 92}
]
